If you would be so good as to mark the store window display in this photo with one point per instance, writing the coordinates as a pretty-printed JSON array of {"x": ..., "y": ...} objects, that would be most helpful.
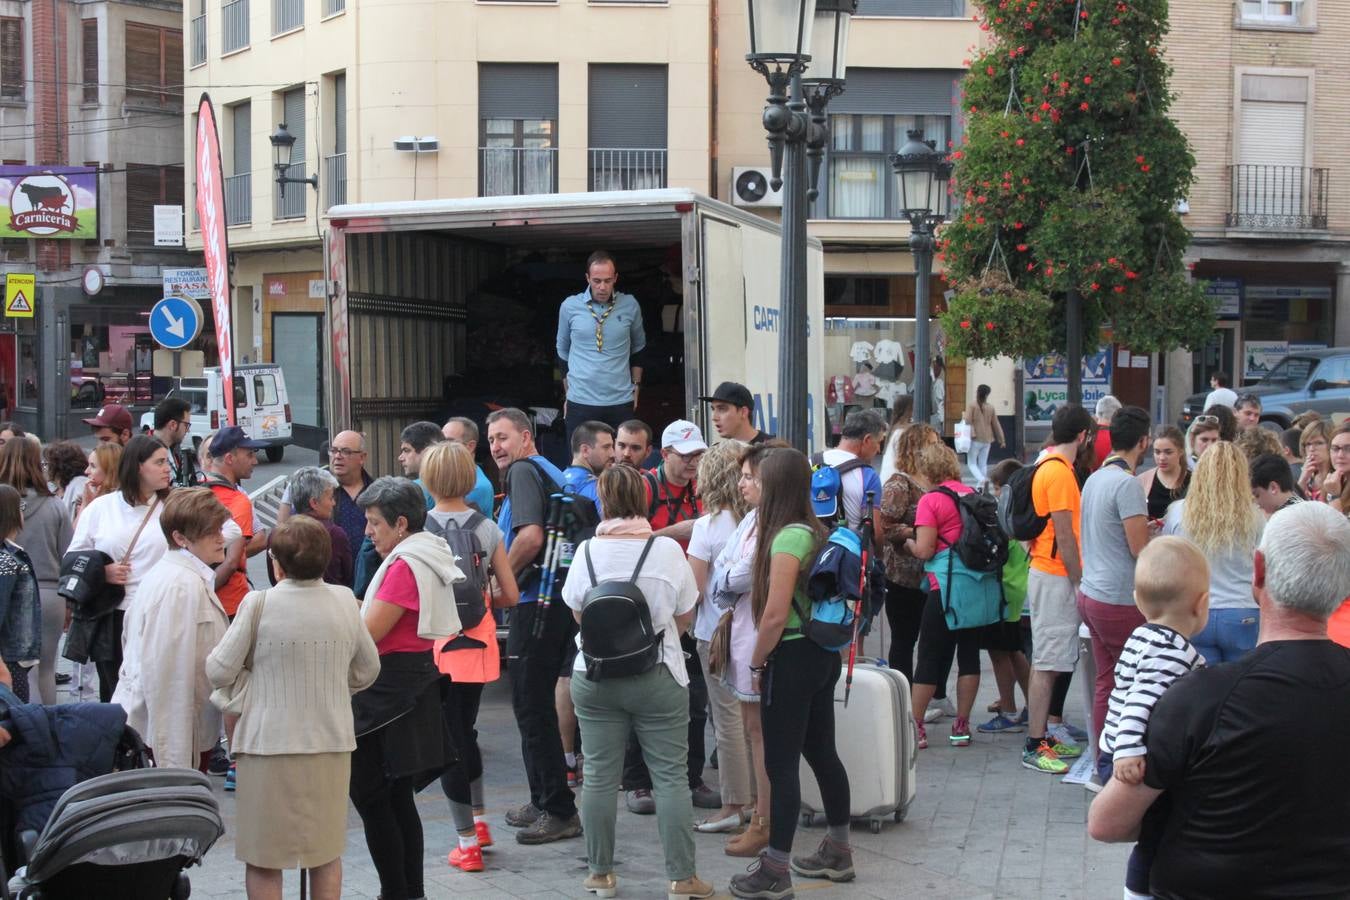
[{"x": 868, "y": 359}]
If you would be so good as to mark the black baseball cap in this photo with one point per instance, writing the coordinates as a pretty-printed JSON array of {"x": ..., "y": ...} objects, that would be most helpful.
[{"x": 733, "y": 393}]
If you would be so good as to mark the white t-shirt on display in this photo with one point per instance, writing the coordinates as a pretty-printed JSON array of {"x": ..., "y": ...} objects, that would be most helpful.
[
  {"x": 888, "y": 351},
  {"x": 861, "y": 351}
]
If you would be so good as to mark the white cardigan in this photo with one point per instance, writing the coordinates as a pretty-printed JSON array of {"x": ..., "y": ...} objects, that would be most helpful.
[{"x": 175, "y": 622}]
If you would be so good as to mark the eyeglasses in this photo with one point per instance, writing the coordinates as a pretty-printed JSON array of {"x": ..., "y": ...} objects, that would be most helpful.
[
  {"x": 1340, "y": 448},
  {"x": 1207, "y": 420},
  {"x": 689, "y": 457},
  {"x": 345, "y": 451}
]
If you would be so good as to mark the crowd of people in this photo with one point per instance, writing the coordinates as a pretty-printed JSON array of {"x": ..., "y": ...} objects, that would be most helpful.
[{"x": 357, "y": 672}]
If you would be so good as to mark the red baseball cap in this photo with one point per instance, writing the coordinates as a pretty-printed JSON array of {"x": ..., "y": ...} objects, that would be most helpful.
[{"x": 114, "y": 416}]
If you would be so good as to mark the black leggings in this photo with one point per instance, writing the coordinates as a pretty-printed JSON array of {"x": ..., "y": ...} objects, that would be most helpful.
[
  {"x": 937, "y": 644},
  {"x": 904, "y": 610},
  {"x": 797, "y": 715},
  {"x": 109, "y": 671},
  {"x": 389, "y": 816},
  {"x": 460, "y": 708}
]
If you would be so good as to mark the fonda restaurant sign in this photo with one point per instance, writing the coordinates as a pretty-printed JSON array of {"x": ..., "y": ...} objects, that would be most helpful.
[{"x": 53, "y": 202}]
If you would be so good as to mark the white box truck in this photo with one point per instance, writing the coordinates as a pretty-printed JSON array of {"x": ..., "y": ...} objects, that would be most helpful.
[{"x": 441, "y": 307}]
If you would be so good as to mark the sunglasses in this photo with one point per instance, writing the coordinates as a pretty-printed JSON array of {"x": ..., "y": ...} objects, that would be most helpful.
[{"x": 1207, "y": 420}]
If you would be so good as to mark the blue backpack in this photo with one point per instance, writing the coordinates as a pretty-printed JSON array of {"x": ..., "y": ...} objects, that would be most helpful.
[{"x": 835, "y": 586}]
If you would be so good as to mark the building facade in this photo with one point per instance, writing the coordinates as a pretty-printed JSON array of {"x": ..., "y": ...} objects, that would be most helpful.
[
  {"x": 391, "y": 102},
  {"x": 1262, "y": 93},
  {"x": 96, "y": 86}
]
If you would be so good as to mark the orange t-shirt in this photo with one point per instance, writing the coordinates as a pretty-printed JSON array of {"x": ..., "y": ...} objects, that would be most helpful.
[
  {"x": 232, "y": 592},
  {"x": 1054, "y": 489},
  {"x": 1338, "y": 626}
]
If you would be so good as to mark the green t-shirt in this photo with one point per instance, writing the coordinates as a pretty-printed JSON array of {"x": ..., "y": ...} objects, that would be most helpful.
[{"x": 799, "y": 541}]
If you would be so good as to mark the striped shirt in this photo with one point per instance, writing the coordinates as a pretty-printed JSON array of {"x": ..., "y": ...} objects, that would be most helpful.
[{"x": 1153, "y": 658}]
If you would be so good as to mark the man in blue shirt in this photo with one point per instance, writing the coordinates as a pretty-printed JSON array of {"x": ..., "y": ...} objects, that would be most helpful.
[
  {"x": 599, "y": 336},
  {"x": 592, "y": 453},
  {"x": 464, "y": 431}
]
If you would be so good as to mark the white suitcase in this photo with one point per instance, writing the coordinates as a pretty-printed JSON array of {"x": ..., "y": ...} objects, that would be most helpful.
[{"x": 878, "y": 743}]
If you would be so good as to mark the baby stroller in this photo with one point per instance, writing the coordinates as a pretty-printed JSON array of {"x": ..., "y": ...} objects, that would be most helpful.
[{"x": 123, "y": 836}]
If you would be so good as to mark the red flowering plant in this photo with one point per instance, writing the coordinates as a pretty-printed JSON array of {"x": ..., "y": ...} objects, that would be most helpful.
[
  {"x": 1071, "y": 163},
  {"x": 989, "y": 316}
]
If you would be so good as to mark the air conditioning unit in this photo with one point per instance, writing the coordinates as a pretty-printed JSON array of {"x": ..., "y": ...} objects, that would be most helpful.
[{"x": 750, "y": 187}]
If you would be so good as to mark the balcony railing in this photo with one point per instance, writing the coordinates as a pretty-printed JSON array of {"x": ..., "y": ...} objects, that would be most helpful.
[
  {"x": 198, "y": 40},
  {"x": 287, "y": 15},
  {"x": 233, "y": 26},
  {"x": 623, "y": 169},
  {"x": 291, "y": 205},
  {"x": 1278, "y": 198},
  {"x": 239, "y": 199},
  {"x": 335, "y": 179},
  {"x": 504, "y": 171}
]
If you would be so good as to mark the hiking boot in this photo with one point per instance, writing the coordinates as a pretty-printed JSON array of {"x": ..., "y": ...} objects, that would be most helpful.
[
  {"x": 831, "y": 860},
  {"x": 484, "y": 834},
  {"x": 705, "y": 797},
  {"x": 1001, "y": 723},
  {"x": 960, "y": 736},
  {"x": 764, "y": 879},
  {"x": 641, "y": 802},
  {"x": 522, "y": 817},
  {"x": 1044, "y": 759},
  {"x": 751, "y": 841},
  {"x": 691, "y": 888},
  {"x": 602, "y": 885},
  {"x": 467, "y": 859},
  {"x": 549, "y": 828}
]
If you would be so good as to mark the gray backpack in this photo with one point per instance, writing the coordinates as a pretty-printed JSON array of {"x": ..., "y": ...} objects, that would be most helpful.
[{"x": 471, "y": 594}]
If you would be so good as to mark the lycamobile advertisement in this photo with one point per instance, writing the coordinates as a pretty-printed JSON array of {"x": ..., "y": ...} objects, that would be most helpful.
[{"x": 56, "y": 202}]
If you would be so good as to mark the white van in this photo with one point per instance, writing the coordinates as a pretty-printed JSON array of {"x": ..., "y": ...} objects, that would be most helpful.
[{"x": 261, "y": 405}]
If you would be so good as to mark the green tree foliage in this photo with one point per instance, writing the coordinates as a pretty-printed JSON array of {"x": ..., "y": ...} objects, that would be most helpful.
[{"x": 1072, "y": 166}]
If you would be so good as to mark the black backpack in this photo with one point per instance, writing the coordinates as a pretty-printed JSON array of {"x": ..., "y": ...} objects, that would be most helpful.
[
  {"x": 471, "y": 594},
  {"x": 982, "y": 546},
  {"x": 1016, "y": 511},
  {"x": 617, "y": 637}
]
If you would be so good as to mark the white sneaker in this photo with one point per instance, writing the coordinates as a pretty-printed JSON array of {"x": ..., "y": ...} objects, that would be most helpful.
[
  {"x": 945, "y": 704},
  {"x": 1059, "y": 733},
  {"x": 932, "y": 714}
]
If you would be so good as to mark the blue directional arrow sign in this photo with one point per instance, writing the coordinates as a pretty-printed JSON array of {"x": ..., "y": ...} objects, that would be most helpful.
[{"x": 175, "y": 322}]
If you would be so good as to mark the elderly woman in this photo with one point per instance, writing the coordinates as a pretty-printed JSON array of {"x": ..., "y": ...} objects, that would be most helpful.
[
  {"x": 400, "y": 735},
  {"x": 311, "y": 490},
  {"x": 46, "y": 535},
  {"x": 122, "y": 525},
  {"x": 176, "y": 622},
  {"x": 294, "y": 739},
  {"x": 723, "y": 509},
  {"x": 653, "y": 703},
  {"x": 1218, "y": 515}
]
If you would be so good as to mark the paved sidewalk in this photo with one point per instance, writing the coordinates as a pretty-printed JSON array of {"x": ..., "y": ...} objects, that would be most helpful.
[{"x": 981, "y": 827}]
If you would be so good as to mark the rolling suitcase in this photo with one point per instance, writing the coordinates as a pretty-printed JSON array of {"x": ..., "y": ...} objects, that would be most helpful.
[{"x": 878, "y": 743}]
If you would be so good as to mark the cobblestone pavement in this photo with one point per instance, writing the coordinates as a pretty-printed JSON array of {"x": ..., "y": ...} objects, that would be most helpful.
[{"x": 981, "y": 826}]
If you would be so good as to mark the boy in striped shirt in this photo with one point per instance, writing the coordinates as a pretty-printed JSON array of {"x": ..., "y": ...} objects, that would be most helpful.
[{"x": 1171, "y": 589}]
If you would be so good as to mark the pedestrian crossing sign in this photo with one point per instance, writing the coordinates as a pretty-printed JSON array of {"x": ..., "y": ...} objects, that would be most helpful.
[{"x": 19, "y": 296}]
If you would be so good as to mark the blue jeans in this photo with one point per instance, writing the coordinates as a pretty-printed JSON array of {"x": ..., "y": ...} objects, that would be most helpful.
[{"x": 1229, "y": 635}]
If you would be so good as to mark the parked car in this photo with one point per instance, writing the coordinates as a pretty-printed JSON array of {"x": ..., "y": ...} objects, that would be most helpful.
[
  {"x": 261, "y": 405},
  {"x": 1317, "y": 380}
]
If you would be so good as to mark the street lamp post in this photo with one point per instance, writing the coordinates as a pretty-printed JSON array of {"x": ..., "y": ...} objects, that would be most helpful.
[
  {"x": 282, "y": 141},
  {"x": 799, "y": 46},
  {"x": 922, "y": 174}
]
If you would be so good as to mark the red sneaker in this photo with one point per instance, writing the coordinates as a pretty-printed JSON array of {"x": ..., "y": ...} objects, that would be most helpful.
[
  {"x": 484, "y": 834},
  {"x": 467, "y": 860}
]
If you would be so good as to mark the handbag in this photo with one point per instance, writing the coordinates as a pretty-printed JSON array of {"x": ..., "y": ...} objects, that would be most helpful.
[
  {"x": 231, "y": 699},
  {"x": 719, "y": 646}
]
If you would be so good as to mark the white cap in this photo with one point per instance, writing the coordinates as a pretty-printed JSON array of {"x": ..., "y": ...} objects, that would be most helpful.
[
  {"x": 683, "y": 436},
  {"x": 1221, "y": 397}
]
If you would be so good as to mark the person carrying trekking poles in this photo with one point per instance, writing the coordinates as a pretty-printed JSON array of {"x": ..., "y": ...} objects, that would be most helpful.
[{"x": 796, "y": 678}]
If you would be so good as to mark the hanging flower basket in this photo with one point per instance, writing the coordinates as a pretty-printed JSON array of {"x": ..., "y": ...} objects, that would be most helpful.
[{"x": 990, "y": 316}]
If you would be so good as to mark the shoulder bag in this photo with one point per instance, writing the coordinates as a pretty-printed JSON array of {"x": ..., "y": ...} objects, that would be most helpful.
[{"x": 231, "y": 699}]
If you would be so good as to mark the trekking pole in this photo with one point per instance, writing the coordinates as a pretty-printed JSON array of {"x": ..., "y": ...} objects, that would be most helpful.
[
  {"x": 553, "y": 528},
  {"x": 866, "y": 555}
]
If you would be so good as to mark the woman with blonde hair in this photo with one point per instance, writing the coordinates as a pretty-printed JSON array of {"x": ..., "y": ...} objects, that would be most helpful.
[
  {"x": 102, "y": 476},
  {"x": 1219, "y": 516},
  {"x": 1254, "y": 442},
  {"x": 470, "y": 659},
  {"x": 905, "y": 594},
  {"x": 723, "y": 509}
]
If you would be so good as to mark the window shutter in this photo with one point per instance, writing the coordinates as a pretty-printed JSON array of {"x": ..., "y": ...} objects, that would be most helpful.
[
  {"x": 143, "y": 62},
  {"x": 340, "y": 113},
  {"x": 1272, "y": 133},
  {"x": 11, "y": 58},
  {"x": 144, "y": 188},
  {"x": 517, "y": 91},
  {"x": 89, "y": 59},
  {"x": 900, "y": 92},
  {"x": 241, "y": 138},
  {"x": 172, "y": 61},
  {"x": 627, "y": 106},
  {"x": 293, "y": 108},
  {"x": 929, "y": 8}
]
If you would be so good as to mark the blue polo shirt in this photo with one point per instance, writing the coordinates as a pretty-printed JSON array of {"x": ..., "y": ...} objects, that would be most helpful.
[
  {"x": 481, "y": 496},
  {"x": 599, "y": 376}
]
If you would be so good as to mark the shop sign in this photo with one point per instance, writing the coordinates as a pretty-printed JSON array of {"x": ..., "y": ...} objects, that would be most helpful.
[
  {"x": 1288, "y": 292},
  {"x": 58, "y": 202},
  {"x": 1046, "y": 382},
  {"x": 1228, "y": 294},
  {"x": 168, "y": 226},
  {"x": 1259, "y": 357},
  {"x": 189, "y": 283},
  {"x": 20, "y": 296}
]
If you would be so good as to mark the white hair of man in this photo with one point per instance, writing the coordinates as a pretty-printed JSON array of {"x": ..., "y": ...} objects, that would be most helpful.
[
  {"x": 1306, "y": 548},
  {"x": 1107, "y": 407}
]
